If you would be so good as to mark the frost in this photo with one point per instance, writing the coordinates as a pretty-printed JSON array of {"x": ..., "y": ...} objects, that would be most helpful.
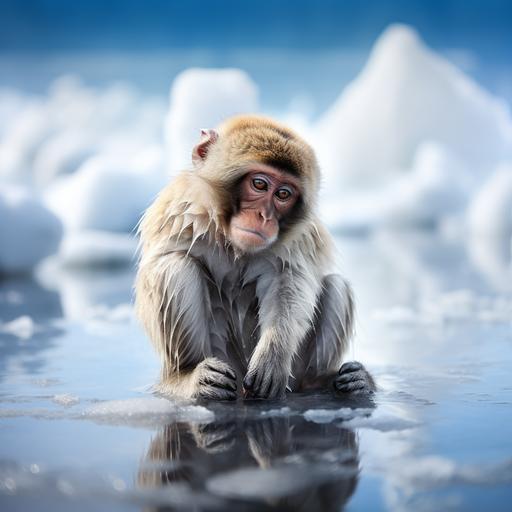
[
  {"x": 22, "y": 327},
  {"x": 28, "y": 231},
  {"x": 202, "y": 98}
]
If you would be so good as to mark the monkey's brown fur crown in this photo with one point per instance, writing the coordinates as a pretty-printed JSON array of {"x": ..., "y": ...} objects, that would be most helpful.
[{"x": 247, "y": 139}]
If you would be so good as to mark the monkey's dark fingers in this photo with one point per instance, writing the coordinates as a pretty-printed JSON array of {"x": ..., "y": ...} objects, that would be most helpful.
[
  {"x": 351, "y": 366},
  {"x": 350, "y": 377},
  {"x": 249, "y": 381},
  {"x": 215, "y": 393},
  {"x": 219, "y": 380},
  {"x": 351, "y": 387},
  {"x": 222, "y": 369}
]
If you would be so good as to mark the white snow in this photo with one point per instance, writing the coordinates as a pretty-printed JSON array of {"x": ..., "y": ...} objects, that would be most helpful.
[
  {"x": 490, "y": 212},
  {"x": 107, "y": 193},
  {"x": 22, "y": 327},
  {"x": 202, "y": 98},
  {"x": 329, "y": 415},
  {"x": 405, "y": 95},
  {"x": 456, "y": 306},
  {"x": 97, "y": 248},
  {"x": 29, "y": 232}
]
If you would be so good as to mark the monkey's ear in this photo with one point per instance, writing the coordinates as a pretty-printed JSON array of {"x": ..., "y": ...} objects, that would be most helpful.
[{"x": 199, "y": 153}]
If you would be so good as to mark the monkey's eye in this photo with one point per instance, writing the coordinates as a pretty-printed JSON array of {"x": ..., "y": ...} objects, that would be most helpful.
[
  {"x": 259, "y": 184},
  {"x": 283, "y": 194}
]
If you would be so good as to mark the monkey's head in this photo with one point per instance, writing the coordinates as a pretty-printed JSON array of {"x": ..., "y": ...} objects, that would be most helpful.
[{"x": 266, "y": 178}]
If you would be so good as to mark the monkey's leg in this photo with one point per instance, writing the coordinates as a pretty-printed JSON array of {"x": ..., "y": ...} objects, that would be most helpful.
[
  {"x": 318, "y": 362},
  {"x": 173, "y": 302}
]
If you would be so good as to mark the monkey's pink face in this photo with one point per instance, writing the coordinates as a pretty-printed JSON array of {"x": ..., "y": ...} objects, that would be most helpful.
[{"x": 267, "y": 196}]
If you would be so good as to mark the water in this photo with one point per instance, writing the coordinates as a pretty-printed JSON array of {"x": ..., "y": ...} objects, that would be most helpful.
[{"x": 79, "y": 428}]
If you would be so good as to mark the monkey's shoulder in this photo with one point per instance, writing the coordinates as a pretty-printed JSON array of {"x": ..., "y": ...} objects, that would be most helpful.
[{"x": 183, "y": 211}]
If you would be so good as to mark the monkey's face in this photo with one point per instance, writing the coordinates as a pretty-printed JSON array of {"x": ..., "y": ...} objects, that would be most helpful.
[{"x": 267, "y": 197}]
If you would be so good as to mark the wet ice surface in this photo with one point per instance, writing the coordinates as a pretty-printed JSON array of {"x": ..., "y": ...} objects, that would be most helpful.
[{"x": 79, "y": 428}]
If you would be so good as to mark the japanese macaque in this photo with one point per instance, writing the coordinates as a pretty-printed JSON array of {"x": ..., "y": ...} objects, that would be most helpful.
[{"x": 233, "y": 285}]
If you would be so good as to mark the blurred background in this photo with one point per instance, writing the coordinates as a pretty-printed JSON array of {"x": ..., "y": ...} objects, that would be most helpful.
[{"x": 407, "y": 104}]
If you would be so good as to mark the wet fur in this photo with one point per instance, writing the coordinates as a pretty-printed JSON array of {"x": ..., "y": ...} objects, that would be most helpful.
[{"x": 266, "y": 315}]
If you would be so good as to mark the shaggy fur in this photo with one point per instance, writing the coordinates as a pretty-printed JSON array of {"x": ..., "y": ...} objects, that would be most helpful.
[{"x": 213, "y": 312}]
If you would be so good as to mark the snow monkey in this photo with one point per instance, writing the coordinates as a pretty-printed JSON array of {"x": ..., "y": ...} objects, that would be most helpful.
[{"x": 233, "y": 285}]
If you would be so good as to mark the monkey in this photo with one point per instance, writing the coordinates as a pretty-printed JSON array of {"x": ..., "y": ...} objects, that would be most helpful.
[{"x": 233, "y": 284}]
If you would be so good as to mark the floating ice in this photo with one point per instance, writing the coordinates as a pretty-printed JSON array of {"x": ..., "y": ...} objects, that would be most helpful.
[
  {"x": 202, "y": 98},
  {"x": 329, "y": 415},
  {"x": 22, "y": 327},
  {"x": 66, "y": 399},
  {"x": 455, "y": 306},
  {"x": 28, "y": 231},
  {"x": 147, "y": 411}
]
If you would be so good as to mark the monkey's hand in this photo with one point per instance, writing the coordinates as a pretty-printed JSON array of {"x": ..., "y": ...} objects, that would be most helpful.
[
  {"x": 354, "y": 378},
  {"x": 215, "y": 380},
  {"x": 267, "y": 375}
]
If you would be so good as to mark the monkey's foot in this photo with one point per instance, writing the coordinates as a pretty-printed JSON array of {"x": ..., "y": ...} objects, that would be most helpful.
[
  {"x": 353, "y": 378},
  {"x": 215, "y": 380}
]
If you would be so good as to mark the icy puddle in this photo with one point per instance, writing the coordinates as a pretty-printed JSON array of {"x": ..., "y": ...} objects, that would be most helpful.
[{"x": 79, "y": 429}]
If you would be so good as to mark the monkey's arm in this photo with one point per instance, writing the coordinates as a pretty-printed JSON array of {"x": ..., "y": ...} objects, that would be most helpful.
[
  {"x": 286, "y": 312},
  {"x": 173, "y": 304}
]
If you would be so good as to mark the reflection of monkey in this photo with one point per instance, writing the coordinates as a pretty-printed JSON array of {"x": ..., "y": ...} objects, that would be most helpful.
[
  {"x": 197, "y": 456},
  {"x": 233, "y": 279}
]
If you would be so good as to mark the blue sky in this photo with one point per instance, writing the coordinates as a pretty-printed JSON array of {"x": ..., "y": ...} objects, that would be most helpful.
[{"x": 39, "y": 25}]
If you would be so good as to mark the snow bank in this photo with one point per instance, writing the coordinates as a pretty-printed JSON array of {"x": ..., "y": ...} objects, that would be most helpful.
[
  {"x": 202, "y": 98},
  {"x": 97, "y": 248},
  {"x": 405, "y": 95},
  {"x": 28, "y": 231},
  {"x": 434, "y": 188},
  {"x": 107, "y": 192},
  {"x": 490, "y": 211}
]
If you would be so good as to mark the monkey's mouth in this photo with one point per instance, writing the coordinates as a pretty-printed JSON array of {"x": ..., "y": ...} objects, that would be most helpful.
[{"x": 253, "y": 232}]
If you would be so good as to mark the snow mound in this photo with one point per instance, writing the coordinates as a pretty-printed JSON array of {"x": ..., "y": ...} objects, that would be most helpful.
[
  {"x": 490, "y": 212},
  {"x": 22, "y": 327},
  {"x": 97, "y": 248},
  {"x": 407, "y": 94},
  {"x": 329, "y": 415},
  {"x": 107, "y": 192},
  {"x": 436, "y": 187},
  {"x": 28, "y": 231},
  {"x": 147, "y": 411},
  {"x": 202, "y": 98}
]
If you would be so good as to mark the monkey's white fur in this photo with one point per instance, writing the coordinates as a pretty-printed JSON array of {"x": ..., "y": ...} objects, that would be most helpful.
[{"x": 276, "y": 315}]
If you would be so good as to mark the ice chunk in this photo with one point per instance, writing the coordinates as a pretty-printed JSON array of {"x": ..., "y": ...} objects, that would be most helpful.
[
  {"x": 202, "y": 98},
  {"x": 97, "y": 248},
  {"x": 490, "y": 212},
  {"x": 147, "y": 411},
  {"x": 108, "y": 192},
  {"x": 29, "y": 232},
  {"x": 66, "y": 399},
  {"x": 329, "y": 415},
  {"x": 407, "y": 94},
  {"x": 22, "y": 327}
]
